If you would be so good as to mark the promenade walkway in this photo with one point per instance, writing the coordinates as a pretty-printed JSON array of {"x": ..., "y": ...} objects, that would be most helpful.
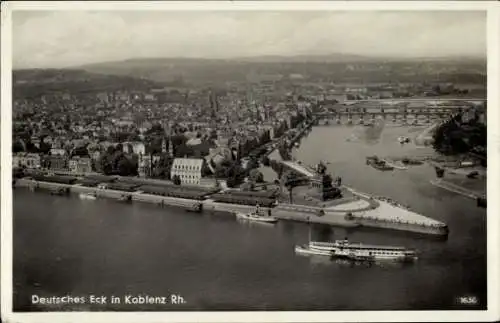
[
  {"x": 387, "y": 211},
  {"x": 299, "y": 168}
]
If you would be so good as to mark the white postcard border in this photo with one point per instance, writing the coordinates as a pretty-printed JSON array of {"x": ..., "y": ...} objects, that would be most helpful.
[{"x": 493, "y": 220}]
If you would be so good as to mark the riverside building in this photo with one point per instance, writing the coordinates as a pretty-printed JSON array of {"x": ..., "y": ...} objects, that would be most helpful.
[{"x": 188, "y": 169}]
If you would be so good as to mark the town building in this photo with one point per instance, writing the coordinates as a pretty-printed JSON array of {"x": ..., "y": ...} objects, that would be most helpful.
[
  {"x": 80, "y": 165},
  {"x": 28, "y": 160},
  {"x": 58, "y": 152},
  {"x": 149, "y": 97},
  {"x": 139, "y": 148},
  {"x": 144, "y": 165},
  {"x": 188, "y": 169},
  {"x": 57, "y": 163}
]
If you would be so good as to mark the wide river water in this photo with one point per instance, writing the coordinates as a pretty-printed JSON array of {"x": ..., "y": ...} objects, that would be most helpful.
[{"x": 67, "y": 246}]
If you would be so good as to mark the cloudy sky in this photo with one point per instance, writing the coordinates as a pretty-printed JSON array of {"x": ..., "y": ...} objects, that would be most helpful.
[{"x": 65, "y": 38}]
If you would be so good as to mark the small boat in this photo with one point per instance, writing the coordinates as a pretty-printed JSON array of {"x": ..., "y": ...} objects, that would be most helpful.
[
  {"x": 381, "y": 165},
  {"x": 473, "y": 175},
  {"x": 87, "y": 196},
  {"x": 125, "y": 199},
  {"x": 481, "y": 202},
  {"x": 403, "y": 140},
  {"x": 195, "y": 208},
  {"x": 59, "y": 192},
  {"x": 257, "y": 216},
  {"x": 409, "y": 161}
]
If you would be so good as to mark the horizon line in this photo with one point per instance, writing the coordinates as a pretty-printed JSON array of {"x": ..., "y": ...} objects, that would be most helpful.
[{"x": 355, "y": 57}]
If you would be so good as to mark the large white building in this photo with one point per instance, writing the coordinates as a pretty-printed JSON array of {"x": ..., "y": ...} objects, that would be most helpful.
[{"x": 188, "y": 169}]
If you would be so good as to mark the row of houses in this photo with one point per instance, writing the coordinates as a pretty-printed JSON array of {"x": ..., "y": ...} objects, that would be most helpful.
[
  {"x": 189, "y": 170},
  {"x": 76, "y": 164}
]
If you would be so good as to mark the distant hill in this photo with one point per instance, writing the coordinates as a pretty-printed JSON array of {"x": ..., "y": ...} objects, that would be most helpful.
[
  {"x": 331, "y": 58},
  {"x": 34, "y": 82},
  {"x": 334, "y": 67}
]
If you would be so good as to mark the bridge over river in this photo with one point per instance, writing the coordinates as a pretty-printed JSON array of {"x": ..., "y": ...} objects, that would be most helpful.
[{"x": 402, "y": 111}]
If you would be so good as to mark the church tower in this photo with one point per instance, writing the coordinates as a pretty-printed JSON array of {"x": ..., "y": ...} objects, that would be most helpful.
[
  {"x": 163, "y": 145},
  {"x": 170, "y": 148}
]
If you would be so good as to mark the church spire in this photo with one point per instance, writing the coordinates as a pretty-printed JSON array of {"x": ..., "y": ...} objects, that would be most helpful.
[{"x": 170, "y": 147}]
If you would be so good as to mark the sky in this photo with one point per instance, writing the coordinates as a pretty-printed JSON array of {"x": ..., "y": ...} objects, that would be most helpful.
[{"x": 70, "y": 38}]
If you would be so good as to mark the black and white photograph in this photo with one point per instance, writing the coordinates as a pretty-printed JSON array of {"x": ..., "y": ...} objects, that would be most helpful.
[{"x": 235, "y": 158}]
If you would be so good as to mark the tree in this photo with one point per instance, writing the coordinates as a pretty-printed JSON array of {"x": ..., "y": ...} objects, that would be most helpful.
[
  {"x": 110, "y": 150},
  {"x": 17, "y": 146},
  {"x": 321, "y": 168},
  {"x": 453, "y": 137},
  {"x": 118, "y": 163},
  {"x": 156, "y": 129},
  {"x": 44, "y": 147},
  {"x": 437, "y": 89},
  {"x": 329, "y": 191},
  {"x": 231, "y": 182},
  {"x": 291, "y": 181},
  {"x": 248, "y": 186},
  {"x": 31, "y": 148},
  {"x": 256, "y": 176},
  {"x": 163, "y": 166},
  {"x": 252, "y": 163},
  {"x": 106, "y": 164},
  {"x": 17, "y": 172},
  {"x": 125, "y": 167},
  {"x": 176, "y": 180},
  {"x": 205, "y": 170},
  {"x": 284, "y": 152},
  {"x": 81, "y": 151}
]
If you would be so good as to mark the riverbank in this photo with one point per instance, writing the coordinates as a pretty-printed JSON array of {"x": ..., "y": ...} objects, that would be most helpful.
[
  {"x": 382, "y": 215},
  {"x": 424, "y": 138},
  {"x": 446, "y": 185}
]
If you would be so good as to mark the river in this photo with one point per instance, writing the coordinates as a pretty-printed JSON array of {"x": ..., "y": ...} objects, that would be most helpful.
[{"x": 66, "y": 246}]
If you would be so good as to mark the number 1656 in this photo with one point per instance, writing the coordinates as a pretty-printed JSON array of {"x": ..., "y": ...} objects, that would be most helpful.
[{"x": 468, "y": 300}]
